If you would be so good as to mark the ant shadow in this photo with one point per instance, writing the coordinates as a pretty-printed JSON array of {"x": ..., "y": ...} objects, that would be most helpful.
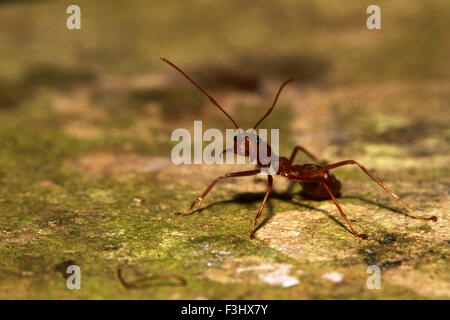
[
  {"x": 169, "y": 280},
  {"x": 288, "y": 196}
]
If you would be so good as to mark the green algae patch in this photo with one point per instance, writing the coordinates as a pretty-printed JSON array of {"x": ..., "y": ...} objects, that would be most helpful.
[{"x": 86, "y": 176}]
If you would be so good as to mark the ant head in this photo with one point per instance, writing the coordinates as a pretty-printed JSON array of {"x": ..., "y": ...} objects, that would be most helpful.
[
  {"x": 249, "y": 144},
  {"x": 245, "y": 144}
]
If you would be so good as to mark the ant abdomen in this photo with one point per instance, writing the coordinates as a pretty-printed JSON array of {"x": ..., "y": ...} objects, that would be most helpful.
[{"x": 317, "y": 191}]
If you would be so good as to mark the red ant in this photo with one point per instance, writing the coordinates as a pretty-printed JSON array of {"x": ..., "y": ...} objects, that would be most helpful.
[{"x": 317, "y": 180}]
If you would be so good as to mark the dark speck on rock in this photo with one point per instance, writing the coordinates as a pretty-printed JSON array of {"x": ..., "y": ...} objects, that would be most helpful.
[
  {"x": 391, "y": 264},
  {"x": 389, "y": 238},
  {"x": 62, "y": 267},
  {"x": 369, "y": 256}
]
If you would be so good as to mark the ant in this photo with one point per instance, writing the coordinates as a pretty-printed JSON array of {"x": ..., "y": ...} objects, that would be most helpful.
[{"x": 317, "y": 180}]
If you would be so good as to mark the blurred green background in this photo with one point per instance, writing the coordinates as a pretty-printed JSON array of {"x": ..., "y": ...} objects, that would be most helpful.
[{"x": 86, "y": 117}]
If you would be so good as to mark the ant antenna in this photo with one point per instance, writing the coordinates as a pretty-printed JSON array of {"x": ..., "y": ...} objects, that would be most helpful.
[
  {"x": 274, "y": 102},
  {"x": 201, "y": 89}
]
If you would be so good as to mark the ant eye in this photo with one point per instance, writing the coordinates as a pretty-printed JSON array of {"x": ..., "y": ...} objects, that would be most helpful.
[
  {"x": 235, "y": 138},
  {"x": 257, "y": 140}
]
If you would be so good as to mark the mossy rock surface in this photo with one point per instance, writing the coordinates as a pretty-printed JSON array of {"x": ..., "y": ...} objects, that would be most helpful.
[{"x": 86, "y": 176}]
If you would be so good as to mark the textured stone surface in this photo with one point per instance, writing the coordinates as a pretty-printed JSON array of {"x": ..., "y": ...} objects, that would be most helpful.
[{"x": 85, "y": 126}]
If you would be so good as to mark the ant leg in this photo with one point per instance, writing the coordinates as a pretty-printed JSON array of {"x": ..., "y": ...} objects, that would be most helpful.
[
  {"x": 269, "y": 187},
  {"x": 370, "y": 174},
  {"x": 362, "y": 236},
  {"x": 257, "y": 178},
  {"x": 318, "y": 179},
  {"x": 309, "y": 154},
  {"x": 203, "y": 195}
]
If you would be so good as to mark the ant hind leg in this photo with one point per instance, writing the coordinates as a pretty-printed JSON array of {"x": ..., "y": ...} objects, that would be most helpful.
[
  {"x": 359, "y": 235},
  {"x": 381, "y": 184}
]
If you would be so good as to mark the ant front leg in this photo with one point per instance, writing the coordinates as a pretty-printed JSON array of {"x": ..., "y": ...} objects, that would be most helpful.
[
  {"x": 203, "y": 195},
  {"x": 261, "y": 207},
  {"x": 381, "y": 184},
  {"x": 257, "y": 178},
  {"x": 309, "y": 154}
]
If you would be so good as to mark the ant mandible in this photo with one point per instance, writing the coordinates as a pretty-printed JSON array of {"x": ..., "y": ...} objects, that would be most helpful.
[{"x": 317, "y": 180}]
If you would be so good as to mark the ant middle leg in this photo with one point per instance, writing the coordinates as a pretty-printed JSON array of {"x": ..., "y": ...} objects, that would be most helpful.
[
  {"x": 371, "y": 175},
  {"x": 199, "y": 199},
  {"x": 309, "y": 154}
]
